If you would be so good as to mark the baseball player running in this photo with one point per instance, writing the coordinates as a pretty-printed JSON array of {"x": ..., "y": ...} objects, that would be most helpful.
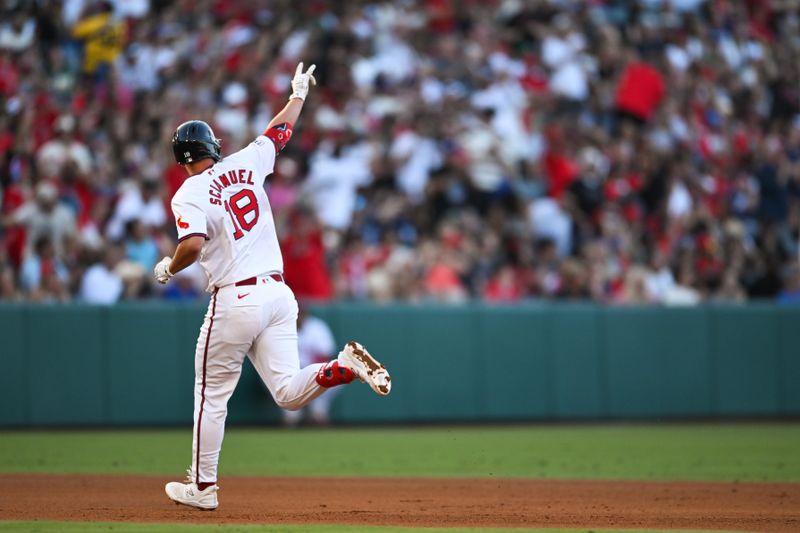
[{"x": 224, "y": 221}]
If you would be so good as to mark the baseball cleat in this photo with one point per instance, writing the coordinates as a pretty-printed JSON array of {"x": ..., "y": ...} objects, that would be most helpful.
[
  {"x": 189, "y": 494},
  {"x": 366, "y": 368}
]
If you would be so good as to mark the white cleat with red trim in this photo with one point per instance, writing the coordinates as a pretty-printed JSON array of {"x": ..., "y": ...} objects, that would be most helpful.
[
  {"x": 189, "y": 494},
  {"x": 366, "y": 368}
]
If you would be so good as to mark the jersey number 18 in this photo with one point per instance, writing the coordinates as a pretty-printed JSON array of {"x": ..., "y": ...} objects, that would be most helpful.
[{"x": 242, "y": 204}]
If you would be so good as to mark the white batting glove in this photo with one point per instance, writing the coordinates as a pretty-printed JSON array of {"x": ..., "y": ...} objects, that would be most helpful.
[
  {"x": 300, "y": 82},
  {"x": 162, "y": 270}
]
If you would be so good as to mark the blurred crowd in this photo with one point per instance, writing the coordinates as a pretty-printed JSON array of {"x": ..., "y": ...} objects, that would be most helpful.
[{"x": 505, "y": 150}]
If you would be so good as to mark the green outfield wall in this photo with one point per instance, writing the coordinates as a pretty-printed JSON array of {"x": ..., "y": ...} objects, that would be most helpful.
[{"x": 132, "y": 364}]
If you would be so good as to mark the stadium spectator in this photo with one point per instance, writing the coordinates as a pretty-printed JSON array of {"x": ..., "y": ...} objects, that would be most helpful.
[
  {"x": 304, "y": 258},
  {"x": 101, "y": 284},
  {"x": 139, "y": 202},
  {"x": 336, "y": 172},
  {"x": 45, "y": 216},
  {"x": 8, "y": 287},
  {"x": 18, "y": 33},
  {"x": 140, "y": 247},
  {"x": 62, "y": 149},
  {"x": 640, "y": 91},
  {"x": 103, "y": 35},
  {"x": 183, "y": 288},
  {"x": 623, "y": 152},
  {"x": 503, "y": 286},
  {"x": 790, "y": 295},
  {"x": 42, "y": 270}
]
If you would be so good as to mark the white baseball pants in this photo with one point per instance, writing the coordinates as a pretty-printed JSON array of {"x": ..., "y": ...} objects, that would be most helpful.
[{"x": 258, "y": 321}]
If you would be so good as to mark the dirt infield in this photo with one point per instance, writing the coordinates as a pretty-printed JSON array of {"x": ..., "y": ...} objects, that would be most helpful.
[{"x": 414, "y": 502}]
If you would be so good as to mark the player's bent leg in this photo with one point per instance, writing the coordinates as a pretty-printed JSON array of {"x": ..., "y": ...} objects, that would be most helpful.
[
  {"x": 293, "y": 392},
  {"x": 291, "y": 387},
  {"x": 366, "y": 368},
  {"x": 275, "y": 356}
]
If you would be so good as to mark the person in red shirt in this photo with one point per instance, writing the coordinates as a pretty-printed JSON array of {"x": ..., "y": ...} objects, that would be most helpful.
[
  {"x": 304, "y": 265},
  {"x": 503, "y": 286},
  {"x": 640, "y": 91}
]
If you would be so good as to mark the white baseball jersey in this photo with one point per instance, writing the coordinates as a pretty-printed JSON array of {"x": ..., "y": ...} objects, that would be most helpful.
[{"x": 227, "y": 204}]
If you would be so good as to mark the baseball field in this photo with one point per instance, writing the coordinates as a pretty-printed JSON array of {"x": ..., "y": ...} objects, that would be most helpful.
[{"x": 731, "y": 477}]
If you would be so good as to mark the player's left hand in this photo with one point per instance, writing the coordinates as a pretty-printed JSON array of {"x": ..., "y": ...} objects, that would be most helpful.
[
  {"x": 161, "y": 270},
  {"x": 302, "y": 81}
]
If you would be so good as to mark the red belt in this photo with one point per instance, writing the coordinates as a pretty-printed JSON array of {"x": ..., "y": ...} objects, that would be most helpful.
[{"x": 254, "y": 280}]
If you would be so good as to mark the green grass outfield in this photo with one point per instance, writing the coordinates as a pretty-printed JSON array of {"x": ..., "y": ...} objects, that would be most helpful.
[{"x": 746, "y": 452}]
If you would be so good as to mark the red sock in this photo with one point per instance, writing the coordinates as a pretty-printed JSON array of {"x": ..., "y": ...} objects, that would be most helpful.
[
  {"x": 332, "y": 374},
  {"x": 204, "y": 485}
]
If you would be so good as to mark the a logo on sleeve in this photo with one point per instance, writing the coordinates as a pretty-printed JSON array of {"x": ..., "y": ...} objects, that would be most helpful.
[
  {"x": 280, "y": 135},
  {"x": 182, "y": 224}
]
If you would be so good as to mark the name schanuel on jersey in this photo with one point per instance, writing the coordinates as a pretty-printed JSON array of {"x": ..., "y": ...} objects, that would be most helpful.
[
  {"x": 223, "y": 181},
  {"x": 241, "y": 206}
]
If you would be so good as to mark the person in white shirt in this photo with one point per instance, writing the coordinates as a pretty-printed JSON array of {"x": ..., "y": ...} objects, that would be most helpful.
[
  {"x": 140, "y": 201},
  {"x": 64, "y": 148},
  {"x": 224, "y": 220},
  {"x": 44, "y": 216},
  {"x": 333, "y": 179},
  {"x": 18, "y": 33},
  {"x": 101, "y": 284},
  {"x": 415, "y": 155}
]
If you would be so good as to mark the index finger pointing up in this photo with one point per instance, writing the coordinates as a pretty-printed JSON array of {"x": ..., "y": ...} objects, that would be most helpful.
[{"x": 299, "y": 69}]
